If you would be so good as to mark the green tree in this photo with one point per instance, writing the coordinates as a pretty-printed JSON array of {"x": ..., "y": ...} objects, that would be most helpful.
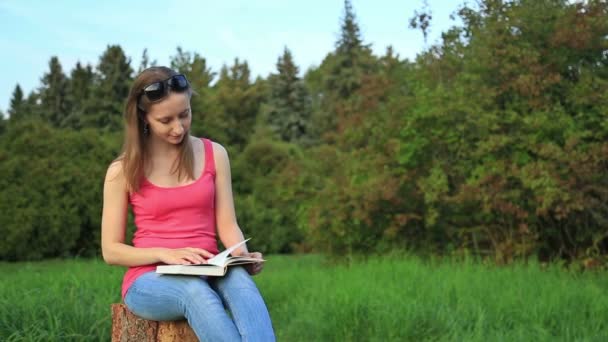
[
  {"x": 79, "y": 94},
  {"x": 351, "y": 59},
  {"x": 145, "y": 61},
  {"x": 343, "y": 72},
  {"x": 3, "y": 123},
  {"x": 238, "y": 102},
  {"x": 51, "y": 186},
  {"x": 31, "y": 108},
  {"x": 200, "y": 76},
  {"x": 288, "y": 107},
  {"x": 17, "y": 104},
  {"x": 267, "y": 206},
  {"x": 53, "y": 94},
  {"x": 111, "y": 87},
  {"x": 355, "y": 202},
  {"x": 495, "y": 124}
]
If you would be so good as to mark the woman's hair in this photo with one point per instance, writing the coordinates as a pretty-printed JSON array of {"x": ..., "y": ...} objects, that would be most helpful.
[{"x": 134, "y": 152}]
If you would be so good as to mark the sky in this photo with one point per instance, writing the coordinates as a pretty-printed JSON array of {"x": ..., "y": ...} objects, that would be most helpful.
[{"x": 253, "y": 30}]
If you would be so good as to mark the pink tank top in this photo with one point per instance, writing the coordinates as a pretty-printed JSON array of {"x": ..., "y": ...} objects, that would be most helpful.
[{"x": 175, "y": 217}]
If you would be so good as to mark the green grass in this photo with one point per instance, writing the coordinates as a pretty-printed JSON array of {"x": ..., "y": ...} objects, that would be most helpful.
[{"x": 383, "y": 299}]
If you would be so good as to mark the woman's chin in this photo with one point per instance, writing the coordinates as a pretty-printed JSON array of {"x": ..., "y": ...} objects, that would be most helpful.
[{"x": 176, "y": 140}]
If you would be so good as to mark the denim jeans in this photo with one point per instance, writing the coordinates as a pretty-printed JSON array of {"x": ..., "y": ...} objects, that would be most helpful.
[{"x": 203, "y": 302}]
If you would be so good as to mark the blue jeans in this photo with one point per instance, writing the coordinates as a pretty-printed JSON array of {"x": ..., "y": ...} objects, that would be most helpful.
[{"x": 201, "y": 301}]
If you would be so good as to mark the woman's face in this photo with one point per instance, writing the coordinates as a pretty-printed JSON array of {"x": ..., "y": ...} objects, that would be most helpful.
[{"x": 169, "y": 120}]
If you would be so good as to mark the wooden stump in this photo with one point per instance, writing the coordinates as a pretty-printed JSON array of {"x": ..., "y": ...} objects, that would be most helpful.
[{"x": 126, "y": 327}]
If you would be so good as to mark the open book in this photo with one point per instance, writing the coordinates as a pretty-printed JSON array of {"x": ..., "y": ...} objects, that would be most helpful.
[{"x": 216, "y": 266}]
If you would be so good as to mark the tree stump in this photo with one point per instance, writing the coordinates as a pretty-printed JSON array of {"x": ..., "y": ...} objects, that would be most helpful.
[{"x": 126, "y": 327}]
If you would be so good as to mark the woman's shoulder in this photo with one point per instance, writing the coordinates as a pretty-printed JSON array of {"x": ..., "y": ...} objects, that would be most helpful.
[
  {"x": 219, "y": 152},
  {"x": 115, "y": 170},
  {"x": 218, "y": 149}
]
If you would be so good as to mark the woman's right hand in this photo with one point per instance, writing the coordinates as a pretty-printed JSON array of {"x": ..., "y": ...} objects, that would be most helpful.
[{"x": 184, "y": 256}]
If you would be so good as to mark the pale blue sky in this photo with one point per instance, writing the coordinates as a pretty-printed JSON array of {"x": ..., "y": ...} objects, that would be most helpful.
[{"x": 255, "y": 30}]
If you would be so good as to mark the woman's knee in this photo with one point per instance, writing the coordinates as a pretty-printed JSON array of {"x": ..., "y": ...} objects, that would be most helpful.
[
  {"x": 150, "y": 301},
  {"x": 197, "y": 289},
  {"x": 183, "y": 289},
  {"x": 236, "y": 277}
]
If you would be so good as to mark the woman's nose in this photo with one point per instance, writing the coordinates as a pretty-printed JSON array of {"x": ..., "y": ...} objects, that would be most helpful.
[{"x": 178, "y": 128}]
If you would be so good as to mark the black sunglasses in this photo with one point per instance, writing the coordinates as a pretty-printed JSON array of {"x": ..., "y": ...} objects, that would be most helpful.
[{"x": 158, "y": 90}]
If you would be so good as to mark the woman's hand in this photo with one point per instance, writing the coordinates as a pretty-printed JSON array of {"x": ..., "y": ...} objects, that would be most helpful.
[
  {"x": 184, "y": 256},
  {"x": 254, "y": 268}
]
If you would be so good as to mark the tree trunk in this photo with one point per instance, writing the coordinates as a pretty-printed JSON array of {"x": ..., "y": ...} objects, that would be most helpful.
[{"x": 128, "y": 327}]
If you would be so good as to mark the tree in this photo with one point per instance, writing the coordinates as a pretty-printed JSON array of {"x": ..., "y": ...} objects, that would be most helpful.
[
  {"x": 288, "y": 108},
  {"x": 17, "y": 104},
  {"x": 352, "y": 57},
  {"x": 54, "y": 105},
  {"x": 2, "y": 123},
  {"x": 200, "y": 76},
  {"x": 238, "y": 102},
  {"x": 145, "y": 61},
  {"x": 506, "y": 131},
  {"x": 422, "y": 20},
  {"x": 264, "y": 177},
  {"x": 112, "y": 83},
  {"x": 80, "y": 89},
  {"x": 195, "y": 67},
  {"x": 50, "y": 186},
  {"x": 343, "y": 72}
]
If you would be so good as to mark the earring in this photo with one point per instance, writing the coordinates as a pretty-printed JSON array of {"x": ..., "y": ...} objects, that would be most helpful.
[{"x": 146, "y": 131}]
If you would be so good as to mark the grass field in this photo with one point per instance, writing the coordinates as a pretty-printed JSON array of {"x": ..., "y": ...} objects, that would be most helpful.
[{"x": 382, "y": 299}]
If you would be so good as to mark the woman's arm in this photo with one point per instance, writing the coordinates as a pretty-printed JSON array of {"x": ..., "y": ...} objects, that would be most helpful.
[
  {"x": 113, "y": 225},
  {"x": 228, "y": 229}
]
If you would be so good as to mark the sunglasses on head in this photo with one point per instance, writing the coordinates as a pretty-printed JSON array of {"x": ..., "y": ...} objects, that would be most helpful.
[{"x": 158, "y": 90}]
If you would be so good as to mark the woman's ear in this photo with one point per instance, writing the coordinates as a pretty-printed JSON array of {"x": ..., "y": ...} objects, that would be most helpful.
[{"x": 142, "y": 116}]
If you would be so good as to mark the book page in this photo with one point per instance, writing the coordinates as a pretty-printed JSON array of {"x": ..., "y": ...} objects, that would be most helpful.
[
  {"x": 242, "y": 260},
  {"x": 220, "y": 259}
]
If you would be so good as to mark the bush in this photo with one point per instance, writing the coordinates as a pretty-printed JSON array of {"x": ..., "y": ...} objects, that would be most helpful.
[
  {"x": 52, "y": 187},
  {"x": 266, "y": 205}
]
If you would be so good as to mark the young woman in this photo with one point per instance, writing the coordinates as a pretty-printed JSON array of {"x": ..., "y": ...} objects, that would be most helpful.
[{"x": 179, "y": 188}]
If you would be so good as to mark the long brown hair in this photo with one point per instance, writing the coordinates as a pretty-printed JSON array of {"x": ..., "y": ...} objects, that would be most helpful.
[{"x": 134, "y": 152}]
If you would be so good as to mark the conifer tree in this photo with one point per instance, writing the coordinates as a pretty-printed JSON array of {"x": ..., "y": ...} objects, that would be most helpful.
[
  {"x": 145, "y": 61},
  {"x": 194, "y": 66},
  {"x": 54, "y": 106},
  {"x": 351, "y": 57},
  {"x": 2, "y": 123},
  {"x": 238, "y": 102},
  {"x": 342, "y": 73},
  {"x": 80, "y": 88},
  {"x": 200, "y": 76},
  {"x": 17, "y": 104},
  {"x": 112, "y": 81},
  {"x": 288, "y": 104},
  {"x": 32, "y": 107}
]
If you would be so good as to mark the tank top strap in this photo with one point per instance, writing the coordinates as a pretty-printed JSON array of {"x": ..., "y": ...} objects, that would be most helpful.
[{"x": 209, "y": 159}]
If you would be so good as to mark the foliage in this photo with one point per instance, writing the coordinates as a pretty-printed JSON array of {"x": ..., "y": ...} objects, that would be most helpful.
[
  {"x": 17, "y": 102},
  {"x": 265, "y": 198},
  {"x": 491, "y": 142},
  {"x": 111, "y": 87},
  {"x": 288, "y": 106},
  {"x": 53, "y": 93},
  {"x": 51, "y": 186},
  {"x": 200, "y": 76}
]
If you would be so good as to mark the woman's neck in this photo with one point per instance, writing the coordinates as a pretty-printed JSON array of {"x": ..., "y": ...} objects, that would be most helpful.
[{"x": 158, "y": 148}]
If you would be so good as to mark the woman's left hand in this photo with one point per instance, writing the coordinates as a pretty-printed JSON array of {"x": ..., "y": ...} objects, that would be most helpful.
[{"x": 254, "y": 268}]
